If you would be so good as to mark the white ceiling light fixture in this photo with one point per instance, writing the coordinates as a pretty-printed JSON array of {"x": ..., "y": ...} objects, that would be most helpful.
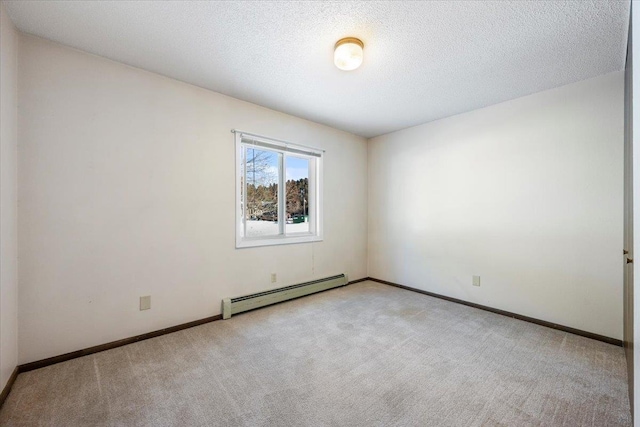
[{"x": 348, "y": 53}]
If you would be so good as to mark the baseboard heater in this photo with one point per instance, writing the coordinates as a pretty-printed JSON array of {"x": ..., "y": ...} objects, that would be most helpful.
[{"x": 249, "y": 302}]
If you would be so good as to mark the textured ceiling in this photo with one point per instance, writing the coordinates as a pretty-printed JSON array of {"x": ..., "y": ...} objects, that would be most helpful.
[{"x": 423, "y": 60}]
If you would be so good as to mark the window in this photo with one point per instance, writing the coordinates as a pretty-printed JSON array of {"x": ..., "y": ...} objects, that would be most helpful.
[{"x": 278, "y": 192}]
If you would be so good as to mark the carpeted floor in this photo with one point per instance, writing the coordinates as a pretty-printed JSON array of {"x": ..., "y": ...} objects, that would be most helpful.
[{"x": 364, "y": 355}]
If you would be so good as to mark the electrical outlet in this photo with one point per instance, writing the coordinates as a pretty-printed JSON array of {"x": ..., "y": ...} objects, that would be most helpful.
[
  {"x": 274, "y": 278},
  {"x": 476, "y": 281},
  {"x": 145, "y": 303}
]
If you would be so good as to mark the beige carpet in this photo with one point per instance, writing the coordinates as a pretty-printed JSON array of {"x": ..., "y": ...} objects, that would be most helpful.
[{"x": 364, "y": 355}]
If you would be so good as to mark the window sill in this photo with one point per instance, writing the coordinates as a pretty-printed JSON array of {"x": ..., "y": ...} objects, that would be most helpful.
[{"x": 273, "y": 241}]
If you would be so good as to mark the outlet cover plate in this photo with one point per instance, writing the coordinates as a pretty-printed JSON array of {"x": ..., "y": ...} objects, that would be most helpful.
[
  {"x": 476, "y": 280},
  {"x": 145, "y": 302}
]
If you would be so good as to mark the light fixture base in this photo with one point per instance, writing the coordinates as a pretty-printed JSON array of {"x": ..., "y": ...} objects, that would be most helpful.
[{"x": 349, "y": 40}]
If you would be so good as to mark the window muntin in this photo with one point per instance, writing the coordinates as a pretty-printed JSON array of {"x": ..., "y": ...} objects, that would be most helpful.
[{"x": 278, "y": 191}]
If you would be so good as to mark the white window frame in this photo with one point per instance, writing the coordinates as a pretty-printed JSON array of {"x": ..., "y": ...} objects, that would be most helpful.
[{"x": 315, "y": 156}]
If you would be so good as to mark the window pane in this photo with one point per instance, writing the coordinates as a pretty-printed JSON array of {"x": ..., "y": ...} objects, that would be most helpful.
[
  {"x": 261, "y": 212},
  {"x": 297, "y": 195}
]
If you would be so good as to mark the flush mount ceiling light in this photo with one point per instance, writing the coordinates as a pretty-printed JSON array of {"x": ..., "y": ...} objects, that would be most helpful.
[{"x": 348, "y": 53}]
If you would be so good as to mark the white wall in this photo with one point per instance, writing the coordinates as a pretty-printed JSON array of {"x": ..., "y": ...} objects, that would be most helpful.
[
  {"x": 635, "y": 141},
  {"x": 8, "y": 198},
  {"x": 527, "y": 194},
  {"x": 126, "y": 183}
]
